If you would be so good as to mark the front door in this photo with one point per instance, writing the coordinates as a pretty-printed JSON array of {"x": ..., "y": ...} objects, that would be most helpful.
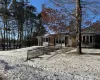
[{"x": 66, "y": 40}]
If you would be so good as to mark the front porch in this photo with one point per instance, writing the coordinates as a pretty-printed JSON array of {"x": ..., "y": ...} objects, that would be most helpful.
[
  {"x": 91, "y": 40},
  {"x": 60, "y": 40}
]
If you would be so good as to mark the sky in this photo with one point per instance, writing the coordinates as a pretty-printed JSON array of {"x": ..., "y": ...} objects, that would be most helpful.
[{"x": 38, "y": 4}]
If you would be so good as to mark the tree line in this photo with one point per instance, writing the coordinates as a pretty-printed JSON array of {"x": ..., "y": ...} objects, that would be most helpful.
[{"x": 19, "y": 24}]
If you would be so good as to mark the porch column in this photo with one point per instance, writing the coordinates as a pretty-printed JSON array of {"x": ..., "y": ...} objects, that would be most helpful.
[
  {"x": 48, "y": 40},
  {"x": 82, "y": 38},
  {"x": 93, "y": 41},
  {"x": 89, "y": 38},
  {"x": 44, "y": 39},
  {"x": 61, "y": 41},
  {"x": 55, "y": 41},
  {"x": 58, "y": 40},
  {"x": 38, "y": 41},
  {"x": 85, "y": 38}
]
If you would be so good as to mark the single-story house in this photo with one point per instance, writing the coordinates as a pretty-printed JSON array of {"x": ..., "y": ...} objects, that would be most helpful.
[
  {"x": 90, "y": 38},
  {"x": 53, "y": 39},
  {"x": 64, "y": 39}
]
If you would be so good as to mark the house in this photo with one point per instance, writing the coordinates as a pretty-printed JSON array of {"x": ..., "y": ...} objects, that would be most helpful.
[
  {"x": 53, "y": 39},
  {"x": 90, "y": 38},
  {"x": 63, "y": 39}
]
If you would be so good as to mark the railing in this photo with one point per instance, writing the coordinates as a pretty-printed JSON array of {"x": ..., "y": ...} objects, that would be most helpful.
[{"x": 33, "y": 53}]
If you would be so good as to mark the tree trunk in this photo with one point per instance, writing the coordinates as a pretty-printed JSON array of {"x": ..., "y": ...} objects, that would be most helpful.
[
  {"x": 6, "y": 35},
  {"x": 4, "y": 38},
  {"x": 17, "y": 40},
  {"x": 21, "y": 34},
  {"x": 14, "y": 42},
  {"x": 78, "y": 22},
  {"x": 9, "y": 40}
]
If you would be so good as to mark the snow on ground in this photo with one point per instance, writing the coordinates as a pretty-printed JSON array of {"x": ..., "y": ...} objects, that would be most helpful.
[{"x": 65, "y": 66}]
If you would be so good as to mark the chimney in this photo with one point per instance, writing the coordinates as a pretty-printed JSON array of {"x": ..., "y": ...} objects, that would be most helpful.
[{"x": 43, "y": 7}]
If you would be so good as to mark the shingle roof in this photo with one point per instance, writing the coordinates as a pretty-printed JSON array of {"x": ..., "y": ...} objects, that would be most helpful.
[{"x": 95, "y": 28}]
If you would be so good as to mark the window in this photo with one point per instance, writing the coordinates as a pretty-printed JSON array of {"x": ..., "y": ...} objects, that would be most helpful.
[
  {"x": 83, "y": 39},
  {"x": 90, "y": 39},
  {"x": 46, "y": 39}
]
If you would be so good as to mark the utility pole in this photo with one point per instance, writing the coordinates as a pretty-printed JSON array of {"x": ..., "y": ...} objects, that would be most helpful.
[{"x": 78, "y": 24}]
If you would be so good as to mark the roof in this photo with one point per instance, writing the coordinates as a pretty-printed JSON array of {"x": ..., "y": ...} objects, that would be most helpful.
[
  {"x": 94, "y": 28},
  {"x": 54, "y": 35},
  {"x": 46, "y": 35}
]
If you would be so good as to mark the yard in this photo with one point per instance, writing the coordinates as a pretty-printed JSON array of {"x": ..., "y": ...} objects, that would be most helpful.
[{"x": 62, "y": 66}]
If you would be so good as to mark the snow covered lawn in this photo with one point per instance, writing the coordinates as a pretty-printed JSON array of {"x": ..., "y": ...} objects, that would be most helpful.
[{"x": 65, "y": 66}]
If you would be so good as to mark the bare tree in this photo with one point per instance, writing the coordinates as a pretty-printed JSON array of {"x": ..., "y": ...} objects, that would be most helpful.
[
  {"x": 78, "y": 23},
  {"x": 83, "y": 10},
  {"x": 5, "y": 15}
]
